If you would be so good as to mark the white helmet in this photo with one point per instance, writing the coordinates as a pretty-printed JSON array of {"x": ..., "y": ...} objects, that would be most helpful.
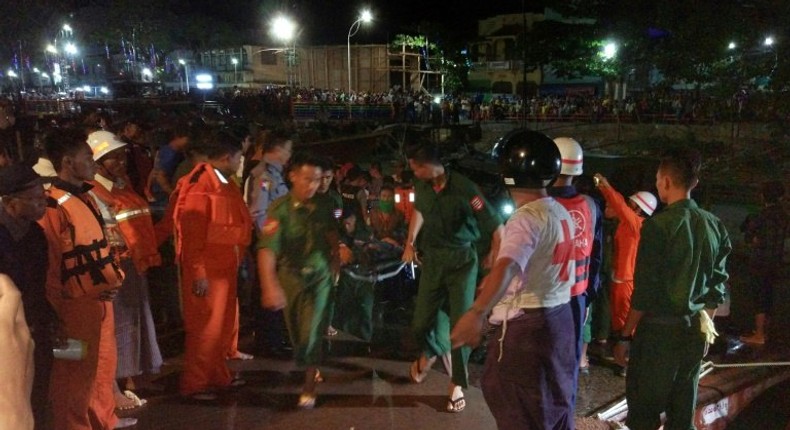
[
  {"x": 572, "y": 156},
  {"x": 103, "y": 142},
  {"x": 646, "y": 201}
]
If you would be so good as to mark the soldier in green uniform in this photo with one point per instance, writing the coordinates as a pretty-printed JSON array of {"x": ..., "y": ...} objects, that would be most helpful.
[
  {"x": 678, "y": 283},
  {"x": 450, "y": 215},
  {"x": 297, "y": 245}
]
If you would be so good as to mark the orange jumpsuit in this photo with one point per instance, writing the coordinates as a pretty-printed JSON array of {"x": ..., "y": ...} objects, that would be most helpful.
[
  {"x": 213, "y": 228},
  {"x": 626, "y": 242},
  {"x": 81, "y": 390}
]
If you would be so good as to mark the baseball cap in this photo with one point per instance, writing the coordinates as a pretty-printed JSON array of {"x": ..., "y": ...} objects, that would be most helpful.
[{"x": 16, "y": 178}]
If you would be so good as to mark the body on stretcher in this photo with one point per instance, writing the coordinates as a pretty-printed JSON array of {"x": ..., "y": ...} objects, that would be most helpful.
[{"x": 374, "y": 296}]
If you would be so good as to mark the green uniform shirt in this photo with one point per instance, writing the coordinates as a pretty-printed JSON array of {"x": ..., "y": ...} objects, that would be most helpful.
[
  {"x": 456, "y": 216},
  {"x": 297, "y": 233},
  {"x": 680, "y": 264}
]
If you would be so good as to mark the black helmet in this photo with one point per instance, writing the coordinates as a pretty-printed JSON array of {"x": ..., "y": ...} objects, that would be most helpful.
[{"x": 527, "y": 159}]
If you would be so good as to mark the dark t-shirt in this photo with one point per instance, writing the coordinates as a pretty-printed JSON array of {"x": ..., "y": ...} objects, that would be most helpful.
[
  {"x": 167, "y": 160},
  {"x": 25, "y": 262}
]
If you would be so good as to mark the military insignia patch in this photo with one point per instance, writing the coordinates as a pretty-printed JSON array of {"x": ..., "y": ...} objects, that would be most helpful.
[
  {"x": 270, "y": 226},
  {"x": 477, "y": 204}
]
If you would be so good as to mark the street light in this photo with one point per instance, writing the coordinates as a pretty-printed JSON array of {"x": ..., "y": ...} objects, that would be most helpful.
[
  {"x": 284, "y": 29},
  {"x": 186, "y": 71},
  {"x": 768, "y": 41},
  {"x": 609, "y": 51},
  {"x": 235, "y": 62},
  {"x": 365, "y": 17}
]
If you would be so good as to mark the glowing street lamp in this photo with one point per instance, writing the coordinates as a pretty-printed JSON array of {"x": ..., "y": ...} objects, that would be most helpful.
[
  {"x": 186, "y": 71},
  {"x": 284, "y": 29},
  {"x": 609, "y": 51},
  {"x": 768, "y": 41},
  {"x": 364, "y": 17},
  {"x": 235, "y": 62},
  {"x": 731, "y": 46}
]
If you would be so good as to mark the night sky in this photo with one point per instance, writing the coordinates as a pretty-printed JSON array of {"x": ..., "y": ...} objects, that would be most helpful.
[{"x": 328, "y": 21}]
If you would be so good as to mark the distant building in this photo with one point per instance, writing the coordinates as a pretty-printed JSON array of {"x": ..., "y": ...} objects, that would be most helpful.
[
  {"x": 373, "y": 67},
  {"x": 496, "y": 64}
]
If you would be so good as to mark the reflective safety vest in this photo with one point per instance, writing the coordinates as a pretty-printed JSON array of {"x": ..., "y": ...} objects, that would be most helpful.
[
  {"x": 87, "y": 267},
  {"x": 135, "y": 224},
  {"x": 582, "y": 213},
  {"x": 404, "y": 201}
]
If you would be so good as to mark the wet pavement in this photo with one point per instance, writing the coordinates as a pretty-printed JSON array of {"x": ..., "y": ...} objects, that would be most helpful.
[{"x": 371, "y": 390}]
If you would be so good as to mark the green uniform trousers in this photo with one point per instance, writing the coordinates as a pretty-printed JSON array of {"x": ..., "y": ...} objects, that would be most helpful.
[
  {"x": 663, "y": 372},
  {"x": 446, "y": 291},
  {"x": 307, "y": 296},
  {"x": 354, "y": 307}
]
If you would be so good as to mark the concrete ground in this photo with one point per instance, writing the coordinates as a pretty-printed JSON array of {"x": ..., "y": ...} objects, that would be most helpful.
[{"x": 372, "y": 391}]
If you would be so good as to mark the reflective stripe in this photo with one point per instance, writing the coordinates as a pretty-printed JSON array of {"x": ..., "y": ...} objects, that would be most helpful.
[
  {"x": 64, "y": 198},
  {"x": 121, "y": 216},
  {"x": 220, "y": 176}
]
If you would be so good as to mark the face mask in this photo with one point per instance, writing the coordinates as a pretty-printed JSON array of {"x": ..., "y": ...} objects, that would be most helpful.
[{"x": 386, "y": 206}]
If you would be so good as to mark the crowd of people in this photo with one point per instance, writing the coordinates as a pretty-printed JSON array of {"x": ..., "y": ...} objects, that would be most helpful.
[
  {"x": 111, "y": 238},
  {"x": 417, "y": 107}
]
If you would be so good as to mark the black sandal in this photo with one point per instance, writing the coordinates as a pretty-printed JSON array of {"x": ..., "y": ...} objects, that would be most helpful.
[{"x": 456, "y": 405}]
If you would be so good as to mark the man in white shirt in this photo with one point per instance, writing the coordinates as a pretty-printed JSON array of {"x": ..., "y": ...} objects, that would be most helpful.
[{"x": 528, "y": 376}]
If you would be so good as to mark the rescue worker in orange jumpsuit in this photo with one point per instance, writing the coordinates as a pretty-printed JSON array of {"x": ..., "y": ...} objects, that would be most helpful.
[
  {"x": 630, "y": 215},
  {"x": 82, "y": 280},
  {"x": 213, "y": 227},
  {"x": 129, "y": 228}
]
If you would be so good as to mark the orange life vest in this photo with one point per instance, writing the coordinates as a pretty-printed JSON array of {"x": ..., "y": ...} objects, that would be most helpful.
[
  {"x": 584, "y": 224},
  {"x": 87, "y": 267},
  {"x": 134, "y": 220},
  {"x": 229, "y": 219}
]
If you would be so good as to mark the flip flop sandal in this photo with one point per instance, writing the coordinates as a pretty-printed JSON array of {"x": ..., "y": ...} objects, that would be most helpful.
[
  {"x": 456, "y": 405},
  {"x": 241, "y": 356},
  {"x": 134, "y": 401},
  {"x": 306, "y": 401},
  {"x": 238, "y": 382}
]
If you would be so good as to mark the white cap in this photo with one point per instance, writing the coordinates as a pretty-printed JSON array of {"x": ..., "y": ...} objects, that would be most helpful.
[
  {"x": 103, "y": 142},
  {"x": 646, "y": 201}
]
